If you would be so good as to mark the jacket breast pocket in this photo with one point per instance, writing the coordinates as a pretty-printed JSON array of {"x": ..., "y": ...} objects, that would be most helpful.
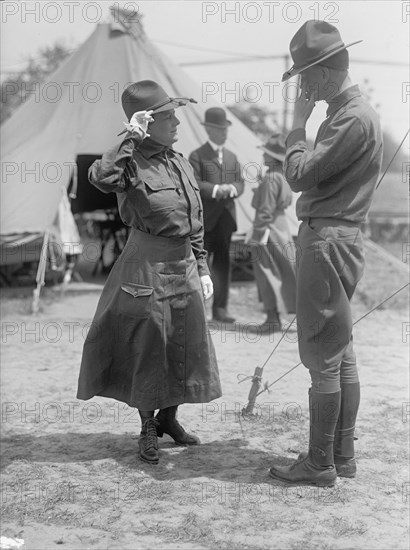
[
  {"x": 135, "y": 300},
  {"x": 162, "y": 195},
  {"x": 196, "y": 203}
]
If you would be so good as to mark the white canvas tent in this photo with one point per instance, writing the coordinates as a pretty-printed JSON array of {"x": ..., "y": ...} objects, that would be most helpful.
[{"x": 77, "y": 111}]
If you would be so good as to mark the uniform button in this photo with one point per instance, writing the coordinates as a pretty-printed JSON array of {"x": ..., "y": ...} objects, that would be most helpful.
[
  {"x": 180, "y": 364},
  {"x": 180, "y": 330},
  {"x": 181, "y": 347},
  {"x": 181, "y": 381}
]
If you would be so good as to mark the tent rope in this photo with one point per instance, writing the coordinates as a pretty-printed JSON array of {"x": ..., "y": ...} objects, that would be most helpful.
[
  {"x": 357, "y": 321},
  {"x": 393, "y": 157}
]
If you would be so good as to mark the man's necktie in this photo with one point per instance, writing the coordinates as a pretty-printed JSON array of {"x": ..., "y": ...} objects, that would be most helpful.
[{"x": 220, "y": 155}]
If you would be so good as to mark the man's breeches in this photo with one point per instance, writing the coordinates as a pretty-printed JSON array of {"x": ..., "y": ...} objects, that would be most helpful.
[{"x": 330, "y": 264}]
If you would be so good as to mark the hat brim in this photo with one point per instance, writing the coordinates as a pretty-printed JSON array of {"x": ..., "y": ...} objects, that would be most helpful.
[
  {"x": 276, "y": 156},
  {"x": 212, "y": 125},
  {"x": 171, "y": 103},
  {"x": 293, "y": 71}
]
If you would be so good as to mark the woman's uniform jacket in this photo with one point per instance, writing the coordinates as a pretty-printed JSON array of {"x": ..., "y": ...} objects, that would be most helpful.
[{"x": 148, "y": 344}]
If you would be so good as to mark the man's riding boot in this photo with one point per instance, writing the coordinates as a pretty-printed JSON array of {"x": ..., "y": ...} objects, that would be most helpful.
[
  {"x": 344, "y": 436},
  {"x": 318, "y": 467},
  {"x": 343, "y": 447},
  {"x": 148, "y": 442},
  {"x": 168, "y": 424}
]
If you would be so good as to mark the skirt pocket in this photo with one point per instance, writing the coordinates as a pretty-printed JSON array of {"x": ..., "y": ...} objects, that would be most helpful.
[{"x": 135, "y": 300}]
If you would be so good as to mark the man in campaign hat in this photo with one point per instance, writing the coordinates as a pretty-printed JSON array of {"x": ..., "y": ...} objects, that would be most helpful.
[
  {"x": 219, "y": 176},
  {"x": 337, "y": 180}
]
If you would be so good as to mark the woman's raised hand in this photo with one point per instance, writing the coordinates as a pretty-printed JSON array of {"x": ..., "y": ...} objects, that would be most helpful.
[{"x": 139, "y": 123}]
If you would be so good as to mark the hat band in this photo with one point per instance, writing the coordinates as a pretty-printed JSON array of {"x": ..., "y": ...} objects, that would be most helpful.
[
  {"x": 177, "y": 101},
  {"x": 325, "y": 52}
]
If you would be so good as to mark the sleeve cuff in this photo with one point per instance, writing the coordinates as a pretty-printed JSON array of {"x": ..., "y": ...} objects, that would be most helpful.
[
  {"x": 299, "y": 134},
  {"x": 214, "y": 190},
  {"x": 203, "y": 268}
]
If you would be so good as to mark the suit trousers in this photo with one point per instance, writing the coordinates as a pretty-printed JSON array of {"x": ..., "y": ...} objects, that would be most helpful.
[
  {"x": 217, "y": 243},
  {"x": 330, "y": 264}
]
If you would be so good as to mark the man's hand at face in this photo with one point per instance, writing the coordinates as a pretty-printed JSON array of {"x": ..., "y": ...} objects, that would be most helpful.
[{"x": 303, "y": 107}]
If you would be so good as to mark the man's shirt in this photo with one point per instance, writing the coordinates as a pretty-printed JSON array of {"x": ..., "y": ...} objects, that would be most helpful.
[{"x": 338, "y": 178}]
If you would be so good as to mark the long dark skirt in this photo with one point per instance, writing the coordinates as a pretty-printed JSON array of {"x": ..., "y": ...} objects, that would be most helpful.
[{"x": 148, "y": 344}]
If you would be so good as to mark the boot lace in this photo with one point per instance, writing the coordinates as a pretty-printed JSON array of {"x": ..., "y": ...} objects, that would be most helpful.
[{"x": 150, "y": 429}]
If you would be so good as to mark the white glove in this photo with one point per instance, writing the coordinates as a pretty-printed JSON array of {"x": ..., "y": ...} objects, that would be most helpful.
[
  {"x": 139, "y": 123},
  {"x": 233, "y": 192},
  {"x": 248, "y": 236},
  {"x": 207, "y": 286},
  {"x": 265, "y": 238}
]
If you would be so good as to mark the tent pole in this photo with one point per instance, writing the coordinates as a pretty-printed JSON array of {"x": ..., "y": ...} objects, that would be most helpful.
[
  {"x": 41, "y": 274},
  {"x": 286, "y": 60},
  {"x": 74, "y": 175}
]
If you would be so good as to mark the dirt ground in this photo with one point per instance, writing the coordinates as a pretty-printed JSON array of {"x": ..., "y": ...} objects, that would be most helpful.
[{"x": 70, "y": 473}]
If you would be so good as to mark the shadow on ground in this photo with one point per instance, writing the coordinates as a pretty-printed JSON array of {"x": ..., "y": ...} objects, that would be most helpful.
[{"x": 228, "y": 460}]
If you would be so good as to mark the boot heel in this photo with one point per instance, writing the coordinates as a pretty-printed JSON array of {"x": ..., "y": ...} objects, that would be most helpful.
[{"x": 160, "y": 433}]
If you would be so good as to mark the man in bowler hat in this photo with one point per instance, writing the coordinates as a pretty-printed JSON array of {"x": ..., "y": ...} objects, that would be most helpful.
[
  {"x": 337, "y": 180},
  {"x": 218, "y": 174}
]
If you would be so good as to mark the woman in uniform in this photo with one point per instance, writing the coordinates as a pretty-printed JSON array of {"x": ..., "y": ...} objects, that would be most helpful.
[
  {"x": 148, "y": 345},
  {"x": 274, "y": 253}
]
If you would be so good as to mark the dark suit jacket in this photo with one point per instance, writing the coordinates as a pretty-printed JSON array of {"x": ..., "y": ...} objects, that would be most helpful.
[{"x": 208, "y": 173}]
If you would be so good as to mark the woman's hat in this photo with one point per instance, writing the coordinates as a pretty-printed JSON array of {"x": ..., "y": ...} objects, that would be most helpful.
[
  {"x": 147, "y": 95},
  {"x": 314, "y": 42},
  {"x": 216, "y": 117},
  {"x": 275, "y": 147}
]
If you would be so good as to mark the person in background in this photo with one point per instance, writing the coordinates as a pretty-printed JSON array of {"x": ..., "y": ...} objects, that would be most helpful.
[
  {"x": 337, "y": 180},
  {"x": 219, "y": 177},
  {"x": 274, "y": 262},
  {"x": 148, "y": 344}
]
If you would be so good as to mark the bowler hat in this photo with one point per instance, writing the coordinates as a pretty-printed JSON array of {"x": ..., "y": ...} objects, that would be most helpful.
[
  {"x": 275, "y": 147},
  {"x": 147, "y": 95},
  {"x": 215, "y": 116},
  {"x": 314, "y": 42}
]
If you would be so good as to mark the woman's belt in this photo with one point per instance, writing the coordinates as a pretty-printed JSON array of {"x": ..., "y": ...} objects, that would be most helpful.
[{"x": 157, "y": 248}]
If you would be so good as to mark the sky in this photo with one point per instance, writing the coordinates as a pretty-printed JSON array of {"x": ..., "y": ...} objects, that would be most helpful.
[{"x": 236, "y": 30}]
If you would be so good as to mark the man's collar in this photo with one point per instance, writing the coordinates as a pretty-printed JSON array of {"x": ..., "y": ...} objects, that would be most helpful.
[
  {"x": 342, "y": 99},
  {"x": 214, "y": 146}
]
